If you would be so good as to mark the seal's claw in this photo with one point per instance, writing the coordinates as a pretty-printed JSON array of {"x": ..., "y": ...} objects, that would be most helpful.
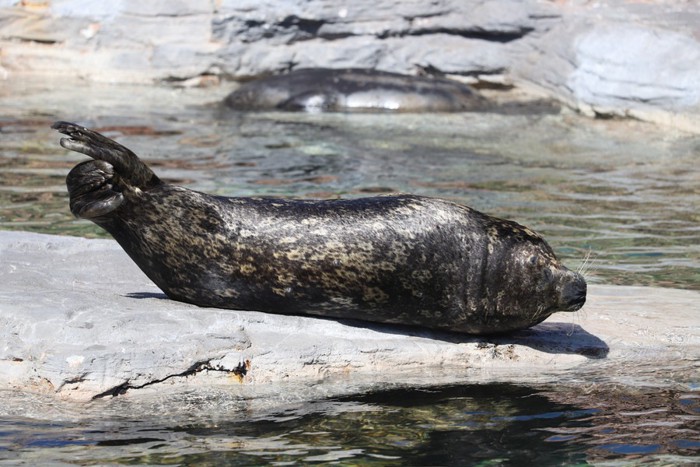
[
  {"x": 65, "y": 127},
  {"x": 94, "y": 189},
  {"x": 80, "y": 139},
  {"x": 80, "y": 133},
  {"x": 78, "y": 146}
]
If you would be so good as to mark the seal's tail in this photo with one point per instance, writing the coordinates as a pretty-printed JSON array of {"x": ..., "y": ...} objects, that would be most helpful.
[{"x": 127, "y": 164}]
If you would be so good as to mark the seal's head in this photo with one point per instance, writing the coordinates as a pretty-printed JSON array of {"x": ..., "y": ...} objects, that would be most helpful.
[{"x": 524, "y": 281}]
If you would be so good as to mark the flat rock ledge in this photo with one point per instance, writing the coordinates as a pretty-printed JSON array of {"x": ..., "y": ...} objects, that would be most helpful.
[{"x": 78, "y": 320}]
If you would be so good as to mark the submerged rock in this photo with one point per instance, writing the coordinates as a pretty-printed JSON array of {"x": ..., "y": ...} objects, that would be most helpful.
[{"x": 80, "y": 321}]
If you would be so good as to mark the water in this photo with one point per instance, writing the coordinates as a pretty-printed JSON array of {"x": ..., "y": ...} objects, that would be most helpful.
[
  {"x": 487, "y": 424},
  {"x": 625, "y": 192}
]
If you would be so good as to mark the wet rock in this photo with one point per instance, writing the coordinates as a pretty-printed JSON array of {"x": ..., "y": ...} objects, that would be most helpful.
[{"x": 79, "y": 320}]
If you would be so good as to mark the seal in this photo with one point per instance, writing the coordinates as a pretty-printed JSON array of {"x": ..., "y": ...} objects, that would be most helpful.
[
  {"x": 391, "y": 259},
  {"x": 354, "y": 89}
]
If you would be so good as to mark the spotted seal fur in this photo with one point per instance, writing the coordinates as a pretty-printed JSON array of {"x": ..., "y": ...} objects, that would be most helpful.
[
  {"x": 354, "y": 90},
  {"x": 392, "y": 259}
]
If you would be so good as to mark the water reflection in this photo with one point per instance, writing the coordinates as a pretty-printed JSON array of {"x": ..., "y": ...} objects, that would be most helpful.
[{"x": 452, "y": 425}]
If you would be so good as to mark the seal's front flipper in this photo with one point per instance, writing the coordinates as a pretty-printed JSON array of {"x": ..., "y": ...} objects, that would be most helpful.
[
  {"x": 94, "y": 189},
  {"x": 127, "y": 164}
]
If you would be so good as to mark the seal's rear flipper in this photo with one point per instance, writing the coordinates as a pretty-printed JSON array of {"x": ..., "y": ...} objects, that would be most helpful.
[
  {"x": 94, "y": 190},
  {"x": 127, "y": 164}
]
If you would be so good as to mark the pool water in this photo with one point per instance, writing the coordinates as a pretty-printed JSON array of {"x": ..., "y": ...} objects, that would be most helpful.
[
  {"x": 624, "y": 193},
  {"x": 485, "y": 424}
]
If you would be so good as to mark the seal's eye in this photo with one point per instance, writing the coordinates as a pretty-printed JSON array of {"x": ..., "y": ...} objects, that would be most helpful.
[{"x": 533, "y": 260}]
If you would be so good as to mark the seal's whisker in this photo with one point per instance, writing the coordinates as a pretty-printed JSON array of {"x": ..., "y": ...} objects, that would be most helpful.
[
  {"x": 584, "y": 263},
  {"x": 576, "y": 320},
  {"x": 588, "y": 262},
  {"x": 538, "y": 312},
  {"x": 572, "y": 328}
]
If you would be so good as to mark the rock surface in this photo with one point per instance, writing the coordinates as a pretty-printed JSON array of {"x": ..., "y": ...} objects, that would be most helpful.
[
  {"x": 607, "y": 57},
  {"x": 78, "y": 320},
  {"x": 621, "y": 59}
]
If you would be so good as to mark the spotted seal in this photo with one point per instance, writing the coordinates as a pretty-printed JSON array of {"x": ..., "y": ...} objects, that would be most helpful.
[
  {"x": 354, "y": 89},
  {"x": 393, "y": 259}
]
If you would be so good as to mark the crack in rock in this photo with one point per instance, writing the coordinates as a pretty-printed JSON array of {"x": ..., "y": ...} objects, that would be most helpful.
[
  {"x": 502, "y": 37},
  {"x": 240, "y": 370}
]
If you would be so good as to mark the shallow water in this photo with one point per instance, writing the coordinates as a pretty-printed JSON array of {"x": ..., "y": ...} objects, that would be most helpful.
[{"x": 625, "y": 192}]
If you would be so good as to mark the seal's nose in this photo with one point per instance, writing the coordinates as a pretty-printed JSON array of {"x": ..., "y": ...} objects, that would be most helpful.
[{"x": 573, "y": 294}]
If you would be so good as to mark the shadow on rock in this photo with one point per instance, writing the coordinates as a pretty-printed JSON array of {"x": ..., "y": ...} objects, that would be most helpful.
[
  {"x": 554, "y": 338},
  {"x": 559, "y": 338}
]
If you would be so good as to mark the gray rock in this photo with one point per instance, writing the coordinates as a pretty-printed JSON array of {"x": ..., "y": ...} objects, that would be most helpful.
[
  {"x": 447, "y": 53},
  {"x": 648, "y": 66},
  {"x": 78, "y": 320},
  {"x": 617, "y": 68}
]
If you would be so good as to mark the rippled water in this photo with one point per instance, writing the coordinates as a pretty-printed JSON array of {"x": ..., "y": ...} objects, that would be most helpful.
[
  {"x": 623, "y": 191},
  {"x": 487, "y": 424}
]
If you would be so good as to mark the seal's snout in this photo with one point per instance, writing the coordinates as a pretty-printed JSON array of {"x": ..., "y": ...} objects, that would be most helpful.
[{"x": 573, "y": 295}]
